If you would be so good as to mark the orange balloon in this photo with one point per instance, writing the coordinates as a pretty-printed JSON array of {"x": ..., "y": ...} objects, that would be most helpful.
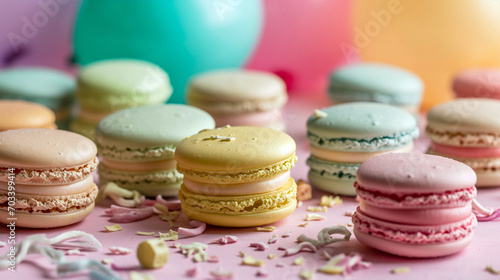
[{"x": 434, "y": 39}]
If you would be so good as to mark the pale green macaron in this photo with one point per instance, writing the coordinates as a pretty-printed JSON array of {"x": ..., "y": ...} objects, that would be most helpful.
[
  {"x": 137, "y": 146},
  {"x": 343, "y": 136},
  {"x": 375, "y": 82},
  {"x": 107, "y": 86}
]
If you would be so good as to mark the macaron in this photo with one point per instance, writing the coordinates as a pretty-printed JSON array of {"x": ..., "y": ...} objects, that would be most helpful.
[
  {"x": 375, "y": 82},
  {"x": 23, "y": 114},
  {"x": 48, "y": 173},
  {"x": 343, "y": 136},
  {"x": 137, "y": 146},
  {"x": 415, "y": 205},
  {"x": 468, "y": 130},
  {"x": 108, "y": 86},
  {"x": 237, "y": 176},
  {"x": 49, "y": 87},
  {"x": 240, "y": 97},
  {"x": 477, "y": 83}
]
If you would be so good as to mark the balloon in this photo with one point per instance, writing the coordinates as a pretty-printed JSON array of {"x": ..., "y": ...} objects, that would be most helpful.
[
  {"x": 36, "y": 33},
  {"x": 184, "y": 37},
  {"x": 301, "y": 41},
  {"x": 434, "y": 39}
]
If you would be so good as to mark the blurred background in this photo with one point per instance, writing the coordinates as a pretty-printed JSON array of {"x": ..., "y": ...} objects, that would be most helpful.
[{"x": 301, "y": 41}]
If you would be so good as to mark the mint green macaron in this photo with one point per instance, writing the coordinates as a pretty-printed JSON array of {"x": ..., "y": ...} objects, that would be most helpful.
[
  {"x": 137, "y": 146},
  {"x": 376, "y": 82},
  {"x": 343, "y": 136},
  {"x": 49, "y": 87}
]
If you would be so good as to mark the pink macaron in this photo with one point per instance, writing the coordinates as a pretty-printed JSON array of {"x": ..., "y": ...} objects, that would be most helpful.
[
  {"x": 415, "y": 205},
  {"x": 484, "y": 83}
]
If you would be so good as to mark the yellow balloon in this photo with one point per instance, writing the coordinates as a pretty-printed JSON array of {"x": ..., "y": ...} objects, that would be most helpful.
[{"x": 433, "y": 38}]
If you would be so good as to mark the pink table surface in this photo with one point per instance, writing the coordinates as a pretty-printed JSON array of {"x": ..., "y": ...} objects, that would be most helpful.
[{"x": 468, "y": 264}]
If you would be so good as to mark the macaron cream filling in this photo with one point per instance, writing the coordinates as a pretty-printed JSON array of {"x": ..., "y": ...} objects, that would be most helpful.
[
  {"x": 51, "y": 176},
  {"x": 353, "y": 157},
  {"x": 48, "y": 190},
  {"x": 450, "y": 198},
  {"x": 29, "y": 203},
  {"x": 385, "y": 142},
  {"x": 466, "y": 152}
]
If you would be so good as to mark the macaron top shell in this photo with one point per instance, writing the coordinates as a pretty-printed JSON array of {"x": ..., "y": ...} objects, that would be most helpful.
[
  {"x": 478, "y": 83},
  {"x": 237, "y": 85},
  {"x": 22, "y": 114},
  {"x": 235, "y": 148},
  {"x": 376, "y": 82},
  {"x": 466, "y": 115},
  {"x": 359, "y": 120},
  {"x": 44, "y": 148},
  {"x": 36, "y": 81},
  {"x": 122, "y": 80},
  {"x": 151, "y": 126},
  {"x": 406, "y": 173}
]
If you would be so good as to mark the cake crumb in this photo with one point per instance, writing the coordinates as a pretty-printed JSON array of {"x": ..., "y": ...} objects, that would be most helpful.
[
  {"x": 304, "y": 191},
  {"x": 299, "y": 261},
  {"x": 303, "y": 224},
  {"x": 267, "y": 229},
  {"x": 169, "y": 236},
  {"x": 492, "y": 270},
  {"x": 319, "y": 114},
  {"x": 314, "y": 217},
  {"x": 271, "y": 256},
  {"x": 329, "y": 201},
  {"x": 106, "y": 261},
  {"x": 134, "y": 275},
  {"x": 113, "y": 228},
  {"x": 349, "y": 213},
  {"x": 307, "y": 274},
  {"x": 299, "y": 204},
  {"x": 249, "y": 260},
  {"x": 145, "y": 233},
  {"x": 317, "y": 209},
  {"x": 400, "y": 270}
]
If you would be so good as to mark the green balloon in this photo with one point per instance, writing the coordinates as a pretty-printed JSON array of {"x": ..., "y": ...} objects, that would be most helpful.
[{"x": 184, "y": 37}]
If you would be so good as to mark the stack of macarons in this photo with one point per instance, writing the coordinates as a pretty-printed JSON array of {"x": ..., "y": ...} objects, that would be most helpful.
[
  {"x": 51, "y": 88},
  {"x": 467, "y": 130},
  {"x": 375, "y": 82},
  {"x": 237, "y": 176},
  {"x": 23, "y": 114},
  {"x": 240, "y": 97},
  {"x": 108, "y": 86},
  {"x": 51, "y": 171},
  {"x": 477, "y": 83},
  {"x": 343, "y": 136},
  {"x": 137, "y": 146},
  {"x": 415, "y": 205}
]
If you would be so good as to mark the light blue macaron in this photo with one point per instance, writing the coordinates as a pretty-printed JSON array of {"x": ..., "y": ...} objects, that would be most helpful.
[
  {"x": 341, "y": 137},
  {"x": 49, "y": 87},
  {"x": 376, "y": 82}
]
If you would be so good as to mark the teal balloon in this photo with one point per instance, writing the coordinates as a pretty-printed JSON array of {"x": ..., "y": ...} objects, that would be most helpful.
[{"x": 184, "y": 37}]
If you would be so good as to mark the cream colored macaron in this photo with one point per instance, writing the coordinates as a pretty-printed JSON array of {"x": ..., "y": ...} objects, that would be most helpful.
[
  {"x": 237, "y": 176},
  {"x": 239, "y": 97}
]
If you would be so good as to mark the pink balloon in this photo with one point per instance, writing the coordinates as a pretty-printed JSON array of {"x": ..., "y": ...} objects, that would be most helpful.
[
  {"x": 37, "y": 33},
  {"x": 301, "y": 41}
]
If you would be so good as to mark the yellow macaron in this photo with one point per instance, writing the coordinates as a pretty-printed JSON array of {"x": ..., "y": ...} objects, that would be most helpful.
[{"x": 237, "y": 176}]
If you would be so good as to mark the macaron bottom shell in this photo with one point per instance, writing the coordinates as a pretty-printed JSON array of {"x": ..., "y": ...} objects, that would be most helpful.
[
  {"x": 164, "y": 182},
  {"x": 240, "y": 220},
  {"x": 243, "y": 210},
  {"x": 341, "y": 186},
  {"x": 413, "y": 240},
  {"x": 413, "y": 250},
  {"x": 41, "y": 220}
]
